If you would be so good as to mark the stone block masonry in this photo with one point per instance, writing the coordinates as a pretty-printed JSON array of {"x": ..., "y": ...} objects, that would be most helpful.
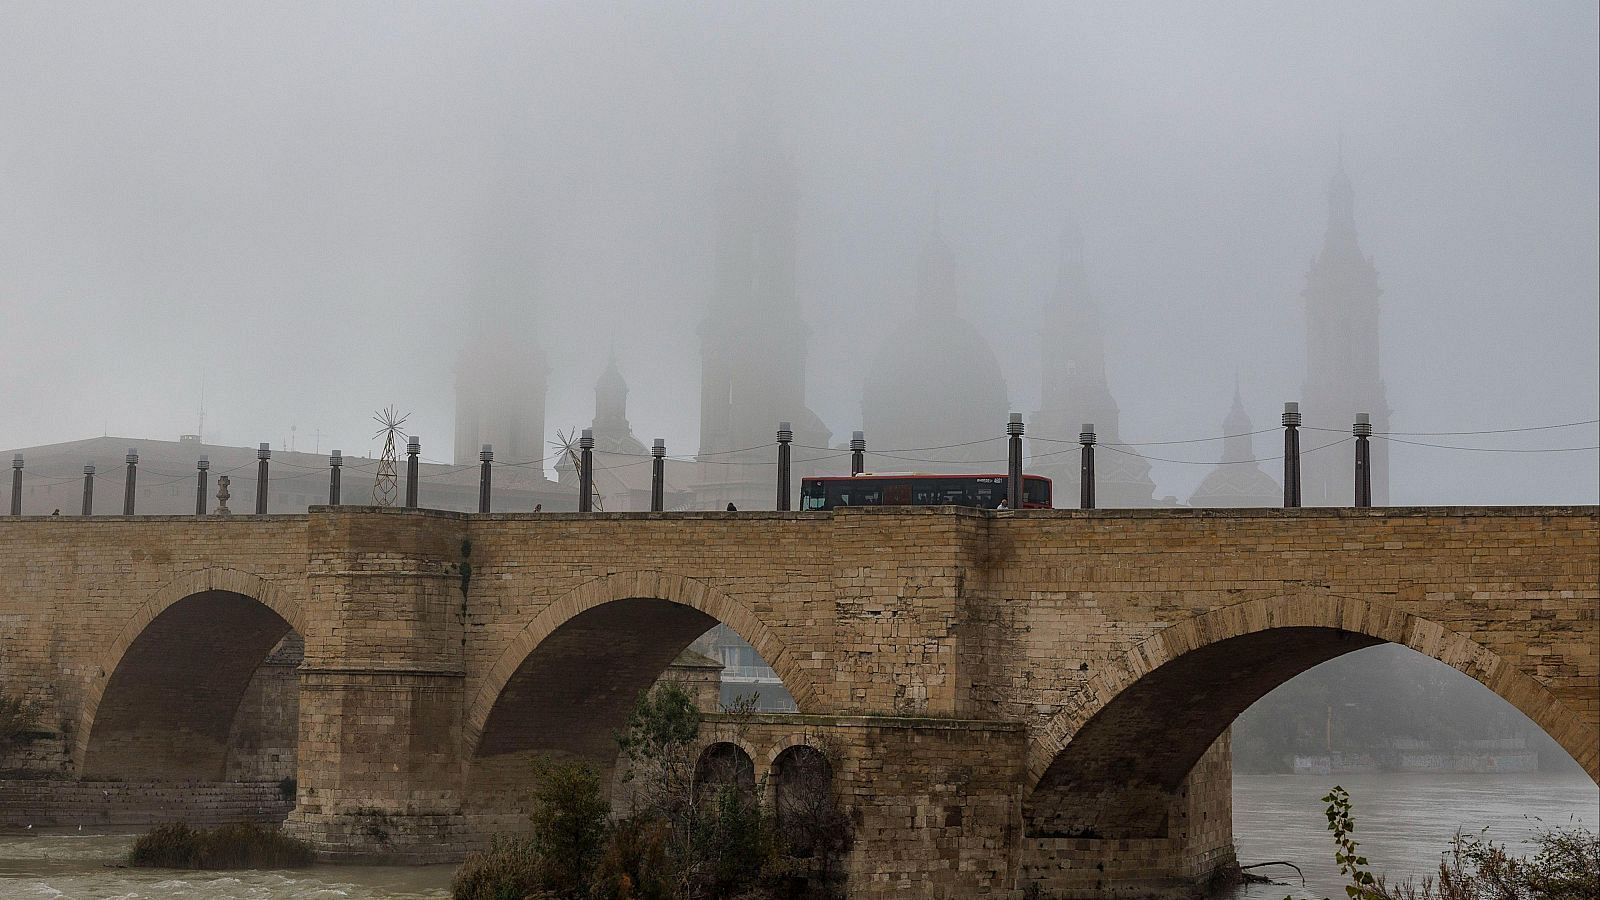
[{"x": 1082, "y": 665}]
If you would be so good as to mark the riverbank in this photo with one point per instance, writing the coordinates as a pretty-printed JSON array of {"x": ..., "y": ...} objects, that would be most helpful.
[
  {"x": 1403, "y": 823},
  {"x": 61, "y": 864}
]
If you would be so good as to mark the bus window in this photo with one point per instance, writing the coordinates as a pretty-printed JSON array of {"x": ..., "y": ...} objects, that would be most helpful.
[
  {"x": 1036, "y": 491},
  {"x": 813, "y": 495},
  {"x": 897, "y": 494},
  {"x": 986, "y": 495}
]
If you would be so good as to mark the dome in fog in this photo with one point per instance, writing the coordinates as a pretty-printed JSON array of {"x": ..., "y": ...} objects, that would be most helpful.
[{"x": 935, "y": 382}]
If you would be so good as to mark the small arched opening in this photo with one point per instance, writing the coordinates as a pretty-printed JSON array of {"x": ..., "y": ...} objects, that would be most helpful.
[{"x": 724, "y": 766}]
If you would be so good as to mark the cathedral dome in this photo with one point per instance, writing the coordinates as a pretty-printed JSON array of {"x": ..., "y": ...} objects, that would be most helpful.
[
  {"x": 1237, "y": 481},
  {"x": 936, "y": 381}
]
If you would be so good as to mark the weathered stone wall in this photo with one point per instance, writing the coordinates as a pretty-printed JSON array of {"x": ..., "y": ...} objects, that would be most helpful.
[
  {"x": 109, "y": 804},
  {"x": 932, "y": 802},
  {"x": 1198, "y": 845},
  {"x": 266, "y": 729}
]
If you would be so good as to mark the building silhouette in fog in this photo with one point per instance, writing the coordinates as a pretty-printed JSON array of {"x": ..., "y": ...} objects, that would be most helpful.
[
  {"x": 935, "y": 383},
  {"x": 1343, "y": 374},
  {"x": 1238, "y": 480},
  {"x": 753, "y": 337},
  {"x": 1074, "y": 392}
]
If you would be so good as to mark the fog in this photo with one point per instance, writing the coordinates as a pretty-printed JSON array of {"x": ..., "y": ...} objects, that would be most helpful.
[{"x": 302, "y": 210}]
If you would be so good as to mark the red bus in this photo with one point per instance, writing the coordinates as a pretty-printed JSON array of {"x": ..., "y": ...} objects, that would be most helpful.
[{"x": 982, "y": 491}]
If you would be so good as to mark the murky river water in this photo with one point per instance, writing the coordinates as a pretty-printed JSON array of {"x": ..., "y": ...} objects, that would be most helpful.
[{"x": 1403, "y": 823}]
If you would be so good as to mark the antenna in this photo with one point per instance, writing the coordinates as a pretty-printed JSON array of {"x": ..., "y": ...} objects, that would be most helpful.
[{"x": 386, "y": 486}]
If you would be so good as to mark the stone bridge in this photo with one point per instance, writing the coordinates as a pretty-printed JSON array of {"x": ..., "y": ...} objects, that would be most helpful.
[{"x": 1004, "y": 698}]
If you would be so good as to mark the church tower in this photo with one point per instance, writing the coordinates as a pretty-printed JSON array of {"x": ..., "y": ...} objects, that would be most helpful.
[
  {"x": 501, "y": 372},
  {"x": 1074, "y": 391},
  {"x": 935, "y": 383},
  {"x": 612, "y": 433},
  {"x": 1342, "y": 358},
  {"x": 753, "y": 339},
  {"x": 500, "y": 387},
  {"x": 1237, "y": 481}
]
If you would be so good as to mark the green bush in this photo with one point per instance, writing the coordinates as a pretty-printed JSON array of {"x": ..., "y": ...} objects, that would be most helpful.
[
  {"x": 569, "y": 824},
  {"x": 684, "y": 838},
  {"x": 177, "y": 846}
]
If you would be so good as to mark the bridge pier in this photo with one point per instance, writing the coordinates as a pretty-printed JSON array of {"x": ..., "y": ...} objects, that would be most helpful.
[
  {"x": 1196, "y": 848},
  {"x": 381, "y": 691}
]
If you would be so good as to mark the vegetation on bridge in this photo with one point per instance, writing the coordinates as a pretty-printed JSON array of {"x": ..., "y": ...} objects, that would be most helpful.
[
  {"x": 687, "y": 833},
  {"x": 18, "y": 719}
]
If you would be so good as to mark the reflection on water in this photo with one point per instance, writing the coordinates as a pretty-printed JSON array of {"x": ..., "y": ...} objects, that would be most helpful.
[
  {"x": 74, "y": 866},
  {"x": 1402, "y": 822}
]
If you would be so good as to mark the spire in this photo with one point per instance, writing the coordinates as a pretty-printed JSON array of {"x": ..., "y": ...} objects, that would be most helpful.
[
  {"x": 611, "y": 397},
  {"x": 1074, "y": 390},
  {"x": 1341, "y": 200},
  {"x": 1074, "y": 370},
  {"x": 936, "y": 282},
  {"x": 1236, "y": 428},
  {"x": 1343, "y": 374}
]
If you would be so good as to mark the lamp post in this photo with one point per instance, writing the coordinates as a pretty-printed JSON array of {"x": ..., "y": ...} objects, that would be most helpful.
[
  {"x": 485, "y": 461},
  {"x": 413, "y": 450},
  {"x": 1086, "y": 471},
  {"x": 263, "y": 453},
  {"x": 785, "y": 436},
  {"x": 1291, "y": 455},
  {"x": 335, "y": 466},
  {"x": 586, "y": 471},
  {"x": 1362, "y": 429},
  {"x": 132, "y": 461},
  {"x": 1014, "y": 468},
  {"x": 658, "y": 475},
  {"x": 16, "y": 485},
  {"x": 201, "y": 467}
]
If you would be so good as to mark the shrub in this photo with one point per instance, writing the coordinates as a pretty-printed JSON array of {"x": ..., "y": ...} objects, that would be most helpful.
[
  {"x": 177, "y": 846},
  {"x": 174, "y": 846},
  {"x": 569, "y": 824},
  {"x": 510, "y": 870},
  {"x": 1565, "y": 866}
]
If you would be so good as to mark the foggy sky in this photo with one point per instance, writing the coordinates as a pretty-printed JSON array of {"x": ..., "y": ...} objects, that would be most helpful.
[{"x": 290, "y": 204}]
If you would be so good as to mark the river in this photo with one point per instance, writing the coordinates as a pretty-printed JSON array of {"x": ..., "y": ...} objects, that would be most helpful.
[{"x": 1402, "y": 821}]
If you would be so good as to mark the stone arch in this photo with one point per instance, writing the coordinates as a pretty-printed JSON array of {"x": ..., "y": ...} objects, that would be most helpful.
[
  {"x": 207, "y": 629},
  {"x": 566, "y": 683},
  {"x": 803, "y": 783},
  {"x": 725, "y": 763},
  {"x": 625, "y": 586},
  {"x": 1100, "y": 750}
]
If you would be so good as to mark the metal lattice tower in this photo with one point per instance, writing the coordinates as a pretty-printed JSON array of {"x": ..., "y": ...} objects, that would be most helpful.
[
  {"x": 387, "y": 484},
  {"x": 568, "y": 445}
]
